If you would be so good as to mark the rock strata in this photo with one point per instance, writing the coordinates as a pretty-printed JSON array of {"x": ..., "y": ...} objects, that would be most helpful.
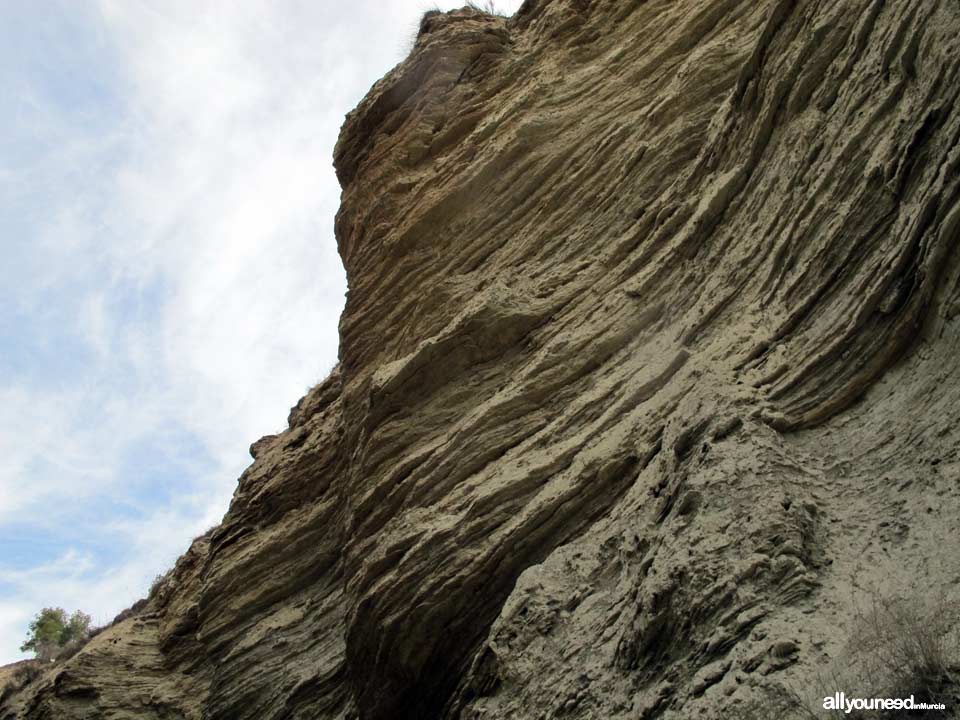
[{"x": 648, "y": 366}]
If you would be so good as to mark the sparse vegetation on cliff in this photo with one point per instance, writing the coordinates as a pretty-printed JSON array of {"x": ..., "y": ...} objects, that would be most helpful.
[
  {"x": 487, "y": 6},
  {"x": 53, "y": 634},
  {"x": 908, "y": 646},
  {"x": 900, "y": 646}
]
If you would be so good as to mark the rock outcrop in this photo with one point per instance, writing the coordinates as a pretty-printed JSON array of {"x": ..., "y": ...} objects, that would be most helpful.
[{"x": 648, "y": 365}]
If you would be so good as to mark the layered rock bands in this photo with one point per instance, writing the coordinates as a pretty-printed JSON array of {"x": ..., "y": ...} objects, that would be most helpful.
[{"x": 648, "y": 363}]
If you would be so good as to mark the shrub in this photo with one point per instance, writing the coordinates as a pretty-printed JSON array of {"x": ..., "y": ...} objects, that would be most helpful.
[
  {"x": 899, "y": 646},
  {"x": 156, "y": 585},
  {"x": 487, "y": 6},
  {"x": 907, "y": 647},
  {"x": 52, "y": 632}
]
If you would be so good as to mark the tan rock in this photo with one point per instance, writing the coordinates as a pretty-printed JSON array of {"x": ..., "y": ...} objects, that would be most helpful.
[{"x": 647, "y": 366}]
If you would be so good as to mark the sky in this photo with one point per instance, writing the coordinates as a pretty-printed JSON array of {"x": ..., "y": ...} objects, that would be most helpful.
[{"x": 169, "y": 281}]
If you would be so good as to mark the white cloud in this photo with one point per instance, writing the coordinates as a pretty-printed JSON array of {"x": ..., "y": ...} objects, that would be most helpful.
[
  {"x": 14, "y": 616},
  {"x": 184, "y": 245},
  {"x": 42, "y": 452}
]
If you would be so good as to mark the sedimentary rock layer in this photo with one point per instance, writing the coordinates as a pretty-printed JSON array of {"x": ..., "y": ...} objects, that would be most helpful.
[{"x": 648, "y": 362}]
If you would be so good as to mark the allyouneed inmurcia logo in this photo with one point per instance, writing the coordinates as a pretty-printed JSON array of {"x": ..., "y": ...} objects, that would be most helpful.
[{"x": 840, "y": 701}]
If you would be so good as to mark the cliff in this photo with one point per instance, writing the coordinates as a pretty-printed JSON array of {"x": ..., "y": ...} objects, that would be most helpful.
[{"x": 648, "y": 365}]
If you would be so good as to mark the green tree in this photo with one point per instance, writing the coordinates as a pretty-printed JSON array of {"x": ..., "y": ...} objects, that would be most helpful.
[{"x": 52, "y": 631}]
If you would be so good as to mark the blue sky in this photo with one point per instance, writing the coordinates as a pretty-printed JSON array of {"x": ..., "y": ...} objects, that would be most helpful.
[{"x": 169, "y": 283}]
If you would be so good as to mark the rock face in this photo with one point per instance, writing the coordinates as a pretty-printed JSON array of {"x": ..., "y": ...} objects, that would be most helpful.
[{"x": 648, "y": 365}]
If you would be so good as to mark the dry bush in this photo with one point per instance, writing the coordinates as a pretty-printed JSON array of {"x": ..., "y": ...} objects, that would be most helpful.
[
  {"x": 899, "y": 647},
  {"x": 423, "y": 25},
  {"x": 907, "y": 646},
  {"x": 487, "y": 6},
  {"x": 129, "y": 612},
  {"x": 157, "y": 585},
  {"x": 72, "y": 648},
  {"x": 777, "y": 703}
]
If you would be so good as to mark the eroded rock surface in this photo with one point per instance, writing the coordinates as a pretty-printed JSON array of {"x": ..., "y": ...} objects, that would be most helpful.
[{"x": 648, "y": 363}]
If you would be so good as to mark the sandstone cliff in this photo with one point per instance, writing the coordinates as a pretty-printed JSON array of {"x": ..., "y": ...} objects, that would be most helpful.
[{"x": 648, "y": 365}]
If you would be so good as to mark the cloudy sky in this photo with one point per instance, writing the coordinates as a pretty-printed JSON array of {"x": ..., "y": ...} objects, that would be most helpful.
[{"x": 169, "y": 282}]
